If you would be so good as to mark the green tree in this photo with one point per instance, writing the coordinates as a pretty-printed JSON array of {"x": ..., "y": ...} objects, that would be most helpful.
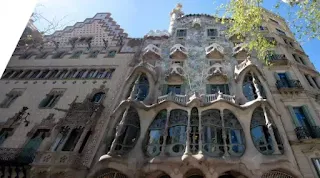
[{"x": 245, "y": 17}]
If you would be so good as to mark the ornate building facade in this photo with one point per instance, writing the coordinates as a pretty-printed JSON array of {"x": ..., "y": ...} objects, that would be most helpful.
[{"x": 190, "y": 102}]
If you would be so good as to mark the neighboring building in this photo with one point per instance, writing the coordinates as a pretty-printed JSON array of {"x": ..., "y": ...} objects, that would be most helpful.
[{"x": 183, "y": 103}]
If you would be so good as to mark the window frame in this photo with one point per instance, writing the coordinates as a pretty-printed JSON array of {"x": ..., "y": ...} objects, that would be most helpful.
[{"x": 178, "y": 31}]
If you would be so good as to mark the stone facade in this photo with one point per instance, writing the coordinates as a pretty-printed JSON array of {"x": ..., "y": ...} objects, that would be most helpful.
[{"x": 186, "y": 103}]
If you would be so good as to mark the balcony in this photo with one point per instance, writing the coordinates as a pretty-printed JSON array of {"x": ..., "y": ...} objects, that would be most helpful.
[
  {"x": 239, "y": 51},
  {"x": 290, "y": 86},
  {"x": 182, "y": 99},
  {"x": 209, "y": 98},
  {"x": 214, "y": 51},
  {"x": 178, "y": 51},
  {"x": 277, "y": 59},
  {"x": 304, "y": 133},
  {"x": 151, "y": 52},
  {"x": 205, "y": 99},
  {"x": 16, "y": 156},
  {"x": 62, "y": 158}
]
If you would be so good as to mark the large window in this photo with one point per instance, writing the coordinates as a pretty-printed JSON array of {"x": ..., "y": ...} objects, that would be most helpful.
[
  {"x": 142, "y": 88},
  {"x": 30, "y": 149},
  {"x": 194, "y": 132},
  {"x": 176, "y": 89},
  {"x": 176, "y": 140},
  {"x": 213, "y": 89},
  {"x": 98, "y": 97},
  {"x": 154, "y": 137},
  {"x": 212, "y": 133},
  {"x": 260, "y": 134},
  {"x": 72, "y": 139},
  {"x": 302, "y": 118},
  {"x": 249, "y": 89},
  {"x": 129, "y": 132}
]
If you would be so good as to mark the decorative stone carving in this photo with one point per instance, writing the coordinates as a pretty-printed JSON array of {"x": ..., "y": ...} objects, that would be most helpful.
[
  {"x": 151, "y": 52},
  {"x": 178, "y": 51},
  {"x": 214, "y": 51},
  {"x": 47, "y": 124}
]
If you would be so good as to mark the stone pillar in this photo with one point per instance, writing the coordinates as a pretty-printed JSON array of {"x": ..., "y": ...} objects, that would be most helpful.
[
  {"x": 19, "y": 76},
  {"x": 200, "y": 133},
  {"x": 256, "y": 86},
  {"x": 188, "y": 141},
  {"x": 48, "y": 74},
  {"x": 224, "y": 135},
  {"x": 165, "y": 134},
  {"x": 66, "y": 74},
  {"x": 75, "y": 74},
  {"x": 57, "y": 74},
  {"x": 312, "y": 82},
  {"x": 85, "y": 74},
  {"x": 31, "y": 73},
  {"x": 270, "y": 129},
  {"x": 14, "y": 72},
  {"x": 119, "y": 129},
  {"x": 81, "y": 139},
  {"x": 40, "y": 73},
  {"x": 134, "y": 88},
  {"x": 65, "y": 140},
  {"x": 95, "y": 74}
]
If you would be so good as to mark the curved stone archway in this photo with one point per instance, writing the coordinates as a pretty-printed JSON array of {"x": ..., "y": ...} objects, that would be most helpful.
[
  {"x": 111, "y": 173},
  {"x": 194, "y": 173}
]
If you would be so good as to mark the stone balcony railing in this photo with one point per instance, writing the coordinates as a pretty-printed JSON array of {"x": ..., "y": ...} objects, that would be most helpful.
[
  {"x": 16, "y": 156},
  {"x": 62, "y": 158},
  {"x": 305, "y": 133},
  {"x": 205, "y": 98}
]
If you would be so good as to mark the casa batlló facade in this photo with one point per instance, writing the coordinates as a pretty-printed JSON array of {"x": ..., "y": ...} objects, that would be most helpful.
[{"x": 190, "y": 102}]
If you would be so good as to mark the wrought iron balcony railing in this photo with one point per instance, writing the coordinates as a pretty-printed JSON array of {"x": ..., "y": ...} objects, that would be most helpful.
[
  {"x": 16, "y": 156},
  {"x": 290, "y": 84},
  {"x": 305, "y": 133}
]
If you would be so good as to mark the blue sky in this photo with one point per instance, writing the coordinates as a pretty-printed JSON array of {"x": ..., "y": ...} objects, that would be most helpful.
[{"x": 138, "y": 17}]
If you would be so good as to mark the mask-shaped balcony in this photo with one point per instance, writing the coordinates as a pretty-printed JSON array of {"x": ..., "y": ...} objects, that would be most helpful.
[
  {"x": 178, "y": 51},
  {"x": 151, "y": 52},
  {"x": 175, "y": 73},
  {"x": 239, "y": 51},
  {"x": 277, "y": 59},
  {"x": 214, "y": 51},
  {"x": 216, "y": 70}
]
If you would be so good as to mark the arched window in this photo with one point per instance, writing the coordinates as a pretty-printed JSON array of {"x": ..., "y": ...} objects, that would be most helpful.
[
  {"x": 111, "y": 173},
  {"x": 142, "y": 88},
  {"x": 234, "y": 132},
  {"x": 249, "y": 89},
  {"x": 97, "y": 98},
  {"x": 129, "y": 133},
  {"x": 212, "y": 132},
  {"x": 164, "y": 176},
  {"x": 176, "y": 140},
  {"x": 194, "y": 133},
  {"x": 260, "y": 133},
  {"x": 155, "y": 134}
]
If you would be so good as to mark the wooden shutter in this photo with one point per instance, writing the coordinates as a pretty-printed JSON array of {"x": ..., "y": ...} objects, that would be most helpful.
[
  {"x": 294, "y": 117},
  {"x": 308, "y": 115}
]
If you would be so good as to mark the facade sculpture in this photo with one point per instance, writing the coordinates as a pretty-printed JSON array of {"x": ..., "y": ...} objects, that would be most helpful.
[{"x": 187, "y": 103}]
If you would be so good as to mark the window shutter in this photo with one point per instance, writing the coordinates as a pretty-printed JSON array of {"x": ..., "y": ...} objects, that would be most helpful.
[
  {"x": 276, "y": 76},
  {"x": 294, "y": 117},
  {"x": 288, "y": 75},
  {"x": 308, "y": 114},
  {"x": 208, "y": 86},
  {"x": 164, "y": 89}
]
